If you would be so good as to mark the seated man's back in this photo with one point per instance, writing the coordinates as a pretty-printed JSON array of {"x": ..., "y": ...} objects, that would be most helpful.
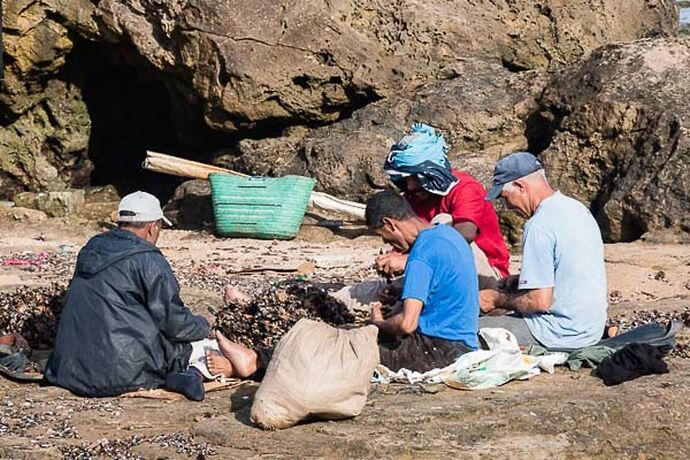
[
  {"x": 562, "y": 247},
  {"x": 123, "y": 326},
  {"x": 440, "y": 273}
]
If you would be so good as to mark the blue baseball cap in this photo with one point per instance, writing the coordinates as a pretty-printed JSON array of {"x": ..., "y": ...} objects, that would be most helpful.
[{"x": 514, "y": 166}]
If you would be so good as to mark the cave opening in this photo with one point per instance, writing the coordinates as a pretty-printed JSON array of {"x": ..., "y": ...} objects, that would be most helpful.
[{"x": 133, "y": 108}]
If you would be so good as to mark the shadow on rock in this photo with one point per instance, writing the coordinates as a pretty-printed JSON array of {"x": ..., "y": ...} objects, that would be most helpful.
[{"x": 241, "y": 403}]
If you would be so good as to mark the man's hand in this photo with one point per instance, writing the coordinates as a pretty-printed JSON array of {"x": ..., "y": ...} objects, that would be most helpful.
[
  {"x": 391, "y": 264},
  {"x": 488, "y": 298},
  {"x": 376, "y": 313}
]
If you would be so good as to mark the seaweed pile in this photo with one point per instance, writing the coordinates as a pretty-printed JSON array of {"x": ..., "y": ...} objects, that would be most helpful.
[
  {"x": 274, "y": 310},
  {"x": 640, "y": 317},
  {"x": 33, "y": 312},
  {"x": 50, "y": 265}
]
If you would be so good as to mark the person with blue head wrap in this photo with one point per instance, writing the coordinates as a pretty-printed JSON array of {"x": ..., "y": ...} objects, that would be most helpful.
[
  {"x": 418, "y": 166},
  {"x": 421, "y": 154}
]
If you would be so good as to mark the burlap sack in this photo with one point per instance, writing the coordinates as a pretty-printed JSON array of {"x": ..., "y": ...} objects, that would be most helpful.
[{"x": 317, "y": 372}]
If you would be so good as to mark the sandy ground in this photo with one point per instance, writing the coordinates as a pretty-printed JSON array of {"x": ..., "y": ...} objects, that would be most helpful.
[{"x": 564, "y": 415}]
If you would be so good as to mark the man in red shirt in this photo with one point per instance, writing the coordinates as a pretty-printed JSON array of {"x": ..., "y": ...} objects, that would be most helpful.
[{"x": 419, "y": 167}]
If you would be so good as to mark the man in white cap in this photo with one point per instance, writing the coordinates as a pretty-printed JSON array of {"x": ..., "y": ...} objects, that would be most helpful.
[
  {"x": 559, "y": 299},
  {"x": 124, "y": 326}
]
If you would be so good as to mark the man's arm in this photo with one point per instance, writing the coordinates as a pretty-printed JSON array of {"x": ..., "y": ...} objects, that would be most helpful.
[
  {"x": 467, "y": 229},
  {"x": 175, "y": 321},
  {"x": 524, "y": 301},
  {"x": 403, "y": 323}
]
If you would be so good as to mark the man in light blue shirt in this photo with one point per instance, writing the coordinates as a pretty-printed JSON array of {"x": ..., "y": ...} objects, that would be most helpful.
[{"x": 559, "y": 299}]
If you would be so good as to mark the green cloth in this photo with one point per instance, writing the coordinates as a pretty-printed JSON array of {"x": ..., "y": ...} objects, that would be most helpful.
[
  {"x": 535, "y": 350},
  {"x": 588, "y": 357}
]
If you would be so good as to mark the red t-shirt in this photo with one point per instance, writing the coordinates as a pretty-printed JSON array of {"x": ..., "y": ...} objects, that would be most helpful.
[{"x": 466, "y": 203}]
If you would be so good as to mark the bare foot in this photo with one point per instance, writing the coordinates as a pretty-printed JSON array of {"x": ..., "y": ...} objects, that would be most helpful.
[
  {"x": 244, "y": 361},
  {"x": 611, "y": 331},
  {"x": 218, "y": 364},
  {"x": 234, "y": 295}
]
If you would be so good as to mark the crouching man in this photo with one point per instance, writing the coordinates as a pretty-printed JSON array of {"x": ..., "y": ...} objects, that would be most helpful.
[
  {"x": 124, "y": 326},
  {"x": 559, "y": 300},
  {"x": 440, "y": 309}
]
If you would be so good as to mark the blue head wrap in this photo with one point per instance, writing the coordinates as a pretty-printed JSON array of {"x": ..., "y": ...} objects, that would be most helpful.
[{"x": 421, "y": 153}]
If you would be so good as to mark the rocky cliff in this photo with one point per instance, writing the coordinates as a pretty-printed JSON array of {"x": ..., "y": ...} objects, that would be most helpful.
[
  {"x": 620, "y": 139},
  {"x": 323, "y": 88}
]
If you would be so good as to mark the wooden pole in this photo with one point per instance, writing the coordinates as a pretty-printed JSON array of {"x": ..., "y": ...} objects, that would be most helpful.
[{"x": 168, "y": 164}]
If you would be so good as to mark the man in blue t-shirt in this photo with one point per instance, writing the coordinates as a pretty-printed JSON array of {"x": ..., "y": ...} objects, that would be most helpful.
[
  {"x": 559, "y": 299},
  {"x": 440, "y": 308},
  {"x": 440, "y": 305}
]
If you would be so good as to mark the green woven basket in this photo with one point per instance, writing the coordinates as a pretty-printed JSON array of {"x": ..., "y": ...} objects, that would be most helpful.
[{"x": 259, "y": 207}]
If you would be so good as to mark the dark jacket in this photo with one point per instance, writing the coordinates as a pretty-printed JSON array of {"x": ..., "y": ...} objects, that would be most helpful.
[{"x": 124, "y": 326}]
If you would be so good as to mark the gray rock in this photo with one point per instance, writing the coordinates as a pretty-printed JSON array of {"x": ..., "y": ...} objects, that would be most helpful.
[
  {"x": 23, "y": 214},
  {"x": 190, "y": 207},
  {"x": 618, "y": 136},
  {"x": 26, "y": 200},
  {"x": 103, "y": 194},
  {"x": 482, "y": 112},
  {"x": 60, "y": 204}
]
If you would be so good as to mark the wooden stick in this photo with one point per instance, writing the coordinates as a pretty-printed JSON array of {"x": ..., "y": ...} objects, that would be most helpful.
[{"x": 168, "y": 164}]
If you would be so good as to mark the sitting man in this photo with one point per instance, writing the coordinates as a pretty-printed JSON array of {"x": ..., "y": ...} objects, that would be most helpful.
[
  {"x": 124, "y": 326},
  {"x": 559, "y": 298},
  {"x": 419, "y": 167},
  {"x": 438, "y": 320}
]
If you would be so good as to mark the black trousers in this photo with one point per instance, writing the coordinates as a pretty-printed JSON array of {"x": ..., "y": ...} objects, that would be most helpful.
[{"x": 419, "y": 352}]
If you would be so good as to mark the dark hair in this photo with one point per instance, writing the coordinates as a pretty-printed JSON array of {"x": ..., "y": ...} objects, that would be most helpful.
[{"x": 387, "y": 204}]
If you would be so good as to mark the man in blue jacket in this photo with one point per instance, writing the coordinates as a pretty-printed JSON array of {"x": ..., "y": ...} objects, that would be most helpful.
[{"x": 124, "y": 326}]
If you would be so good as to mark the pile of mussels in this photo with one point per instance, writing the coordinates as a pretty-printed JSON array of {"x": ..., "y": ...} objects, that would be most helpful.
[
  {"x": 275, "y": 309},
  {"x": 33, "y": 312}
]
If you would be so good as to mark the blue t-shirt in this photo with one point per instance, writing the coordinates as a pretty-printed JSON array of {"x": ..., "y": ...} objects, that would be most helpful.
[
  {"x": 440, "y": 273},
  {"x": 562, "y": 249}
]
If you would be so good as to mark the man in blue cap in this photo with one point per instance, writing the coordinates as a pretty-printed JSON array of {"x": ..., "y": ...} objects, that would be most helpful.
[{"x": 559, "y": 299}]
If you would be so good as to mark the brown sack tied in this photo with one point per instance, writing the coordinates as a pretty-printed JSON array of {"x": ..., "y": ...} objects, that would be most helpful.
[{"x": 317, "y": 372}]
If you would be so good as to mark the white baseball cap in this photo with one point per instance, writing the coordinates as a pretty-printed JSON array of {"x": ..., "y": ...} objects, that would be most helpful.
[{"x": 140, "y": 207}]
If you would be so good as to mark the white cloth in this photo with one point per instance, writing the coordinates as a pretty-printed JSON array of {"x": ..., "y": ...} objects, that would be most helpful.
[
  {"x": 481, "y": 369},
  {"x": 198, "y": 357}
]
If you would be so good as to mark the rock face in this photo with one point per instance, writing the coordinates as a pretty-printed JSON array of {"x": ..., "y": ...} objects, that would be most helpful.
[
  {"x": 324, "y": 88},
  {"x": 264, "y": 63},
  {"x": 45, "y": 123},
  {"x": 190, "y": 206},
  {"x": 482, "y": 112},
  {"x": 620, "y": 136}
]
